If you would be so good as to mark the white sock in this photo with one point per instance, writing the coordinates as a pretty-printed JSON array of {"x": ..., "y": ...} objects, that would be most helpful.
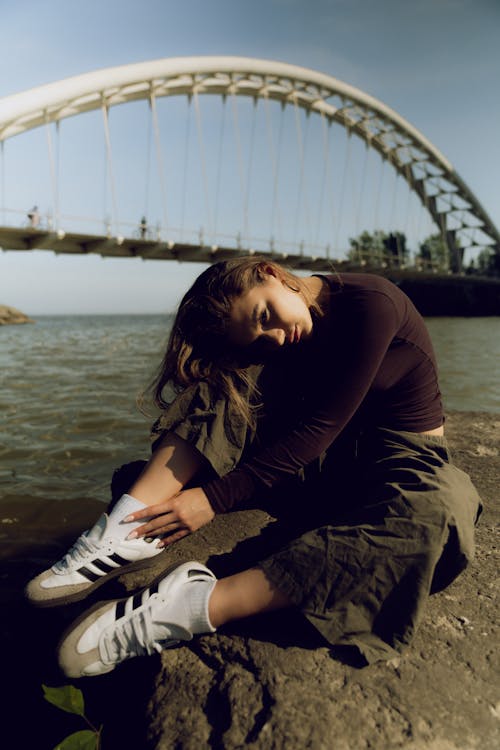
[
  {"x": 188, "y": 609},
  {"x": 197, "y": 606},
  {"x": 123, "y": 508}
]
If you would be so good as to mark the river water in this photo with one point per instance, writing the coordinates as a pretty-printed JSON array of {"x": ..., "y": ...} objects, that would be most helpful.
[{"x": 69, "y": 386}]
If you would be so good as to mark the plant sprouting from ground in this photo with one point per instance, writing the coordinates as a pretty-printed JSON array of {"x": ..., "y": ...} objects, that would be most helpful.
[{"x": 70, "y": 699}]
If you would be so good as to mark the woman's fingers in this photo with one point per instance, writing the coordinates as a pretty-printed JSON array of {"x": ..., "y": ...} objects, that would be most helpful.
[
  {"x": 173, "y": 537},
  {"x": 148, "y": 511},
  {"x": 158, "y": 525},
  {"x": 166, "y": 530}
]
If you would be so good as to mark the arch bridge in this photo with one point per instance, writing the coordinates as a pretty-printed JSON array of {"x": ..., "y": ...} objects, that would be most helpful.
[{"x": 456, "y": 214}]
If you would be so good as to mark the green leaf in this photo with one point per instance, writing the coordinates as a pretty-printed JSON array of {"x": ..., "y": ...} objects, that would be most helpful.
[
  {"x": 83, "y": 740},
  {"x": 67, "y": 698}
]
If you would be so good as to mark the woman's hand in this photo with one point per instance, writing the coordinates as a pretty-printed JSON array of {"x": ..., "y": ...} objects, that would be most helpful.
[{"x": 175, "y": 518}]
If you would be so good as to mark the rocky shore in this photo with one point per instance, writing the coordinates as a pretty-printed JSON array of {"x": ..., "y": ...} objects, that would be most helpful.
[
  {"x": 11, "y": 316},
  {"x": 267, "y": 683}
]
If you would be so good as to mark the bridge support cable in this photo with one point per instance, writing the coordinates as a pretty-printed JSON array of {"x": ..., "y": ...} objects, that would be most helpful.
[
  {"x": 343, "y": 191},
  {"x": 239, "y": 157},
  {"x": 412, "y": 224},
  {"x": 393, "y": 227},
  {"x": 378, "y": 193},
  {"x": 187, "y": 140},
  {"x": 159, "y": 159},
  {"x": 251, "y": 149},
  {"x": 204, "y": 173},
  {"x": 418, "y": 229},
  {"x": 302, "y": 179},
  {"x": 402, "y": 230},
  {"x": 147, "y": 175},
  {"x": 360, "y": 191},
  {"x": 323, "y": 181},
  {"x": 406, "y": 226},
  {"x": 219, "y": 170},
  {"x": 275, "y": 161},
  {"x": 394, "y": 196},
  {"x": 53, "y": 172},
  {"x": 109, "y": 162},
  {"x": 332, "y": 203},
  {"x": 371, "y": 195}
]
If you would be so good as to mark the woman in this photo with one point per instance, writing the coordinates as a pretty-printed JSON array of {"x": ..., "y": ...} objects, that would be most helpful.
[{"x": 346, "y": 395}]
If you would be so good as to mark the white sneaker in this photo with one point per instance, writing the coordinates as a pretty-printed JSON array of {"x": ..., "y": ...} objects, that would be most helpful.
[
  {"x": 97, "y": 556},
  {"x": 159, "y": 617}
]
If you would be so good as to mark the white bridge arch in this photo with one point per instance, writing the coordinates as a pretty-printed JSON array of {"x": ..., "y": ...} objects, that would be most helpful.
[{"x": 454, "y": 208}]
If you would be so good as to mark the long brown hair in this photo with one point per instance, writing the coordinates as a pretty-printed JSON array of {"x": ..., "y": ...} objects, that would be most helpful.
[{"x": 198, "y": 347}]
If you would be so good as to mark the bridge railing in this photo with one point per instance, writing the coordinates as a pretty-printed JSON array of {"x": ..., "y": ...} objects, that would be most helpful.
[{"x": 156, "y": 232}]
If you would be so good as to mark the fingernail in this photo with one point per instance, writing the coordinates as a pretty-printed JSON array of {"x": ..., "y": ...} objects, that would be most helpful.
[
  {"x": 132, "y": 535},
  {"x": 127, "y": 519}
]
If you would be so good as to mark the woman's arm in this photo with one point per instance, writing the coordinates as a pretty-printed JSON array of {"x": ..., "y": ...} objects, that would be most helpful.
[{"x": 173, "y": 464}]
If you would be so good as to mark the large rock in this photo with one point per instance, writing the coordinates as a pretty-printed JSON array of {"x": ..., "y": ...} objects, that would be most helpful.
[
  {"x": 11, "y": 316},
  {"x": 268, "y": 683}
]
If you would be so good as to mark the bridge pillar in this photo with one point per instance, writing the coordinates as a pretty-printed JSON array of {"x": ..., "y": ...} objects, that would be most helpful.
[{"x": 456, "y": 253}]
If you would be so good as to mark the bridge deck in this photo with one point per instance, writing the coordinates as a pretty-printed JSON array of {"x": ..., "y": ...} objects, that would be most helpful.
[{"x": 28, "y": 238}]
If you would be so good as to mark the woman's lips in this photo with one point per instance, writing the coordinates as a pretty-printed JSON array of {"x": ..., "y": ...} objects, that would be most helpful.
[{"x": 294, "y": 336}]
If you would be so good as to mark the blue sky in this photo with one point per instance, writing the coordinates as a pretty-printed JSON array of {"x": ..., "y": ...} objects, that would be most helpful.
[{"x": 436, "y": 62}]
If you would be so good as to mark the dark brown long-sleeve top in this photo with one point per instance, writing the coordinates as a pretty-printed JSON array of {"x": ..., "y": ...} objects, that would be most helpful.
[{"x": 371, "y": 359}]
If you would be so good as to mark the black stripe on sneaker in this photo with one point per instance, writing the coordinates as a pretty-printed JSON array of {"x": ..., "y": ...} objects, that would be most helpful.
[
  {"x": 119, "y": 559},
  {"x": 101, "y": 565},
  {"x": 120, "y": 609},
  {"x": 137, "y": 601},
  {"x": 88, "y": 574}
]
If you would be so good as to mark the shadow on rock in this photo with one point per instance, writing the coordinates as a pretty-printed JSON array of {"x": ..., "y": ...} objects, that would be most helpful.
[{"x": 30, "y": 637}]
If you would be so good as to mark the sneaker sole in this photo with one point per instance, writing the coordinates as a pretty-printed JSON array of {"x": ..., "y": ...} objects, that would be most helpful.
[{"x": 77, "y": 596}]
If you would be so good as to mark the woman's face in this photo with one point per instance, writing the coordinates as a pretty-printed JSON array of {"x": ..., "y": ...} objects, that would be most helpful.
[{"x": 270, "y": 314}]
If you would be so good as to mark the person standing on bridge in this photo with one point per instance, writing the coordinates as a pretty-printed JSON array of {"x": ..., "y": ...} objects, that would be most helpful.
[
  {"x": 34, "y": 217},
  {"x": 318, "y": 399}
]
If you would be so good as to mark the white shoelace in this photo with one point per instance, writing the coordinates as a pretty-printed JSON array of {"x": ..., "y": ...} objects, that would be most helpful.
[
  {"x": 134, "y": 635},
  {"x": 78, "y": 553}
]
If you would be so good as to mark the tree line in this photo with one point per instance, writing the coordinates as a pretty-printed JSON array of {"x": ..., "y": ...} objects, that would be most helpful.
[{"x": 390, "y": 250}]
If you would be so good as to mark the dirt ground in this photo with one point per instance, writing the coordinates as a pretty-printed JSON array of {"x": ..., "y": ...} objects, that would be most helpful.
[{"x": 267, "y": 683}]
